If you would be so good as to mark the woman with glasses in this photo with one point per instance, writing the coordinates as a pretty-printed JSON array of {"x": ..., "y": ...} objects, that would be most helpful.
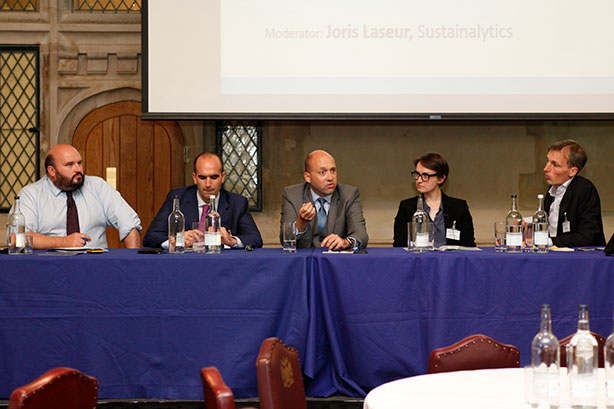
[{"x": 453, "y": 222}]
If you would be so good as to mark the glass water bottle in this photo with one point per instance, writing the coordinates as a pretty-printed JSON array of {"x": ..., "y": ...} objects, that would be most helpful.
[
  {"x": 176, "y": 229},
  {"x": 545, "y": 358},
  {"x": 582, "y": 364},
  {"x": 513, "y": 222},
  {"x": 419, "y": 230},
  {"x": 540, "y": 228},
  {"x": 213, "y": 231},
  {"x": 16, "y": 234}
]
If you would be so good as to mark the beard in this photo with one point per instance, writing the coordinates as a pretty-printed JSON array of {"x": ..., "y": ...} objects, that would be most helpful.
[{"x": 70, "y": 184}]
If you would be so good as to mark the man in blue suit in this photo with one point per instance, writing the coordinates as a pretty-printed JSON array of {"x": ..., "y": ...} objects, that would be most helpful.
[{"x": 238, "y": 226}]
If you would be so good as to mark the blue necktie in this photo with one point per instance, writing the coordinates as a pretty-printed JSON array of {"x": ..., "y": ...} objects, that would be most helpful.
[{"x": 321, "y": 215}]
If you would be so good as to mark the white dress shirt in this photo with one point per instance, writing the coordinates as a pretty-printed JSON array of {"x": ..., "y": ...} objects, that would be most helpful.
[{"x": 553, "y": 212}]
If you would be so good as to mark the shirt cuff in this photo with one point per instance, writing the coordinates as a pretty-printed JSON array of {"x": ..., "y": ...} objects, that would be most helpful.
[
  {"x": 299, "y": 234},
  {"x": 239, "y": 244},
  {"x": 355, "y": 243}
]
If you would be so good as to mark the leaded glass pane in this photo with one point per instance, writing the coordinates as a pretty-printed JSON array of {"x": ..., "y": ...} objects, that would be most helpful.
[
  {"x": 108, "y": 6},
  {"x": 239, "y": 145},
  {"x": 18, "y": 5},
  {"x": 18, "y": 122}
]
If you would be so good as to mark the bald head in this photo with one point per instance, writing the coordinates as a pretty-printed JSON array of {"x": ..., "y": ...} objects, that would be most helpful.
[
  {"x": 316, "y": 156},
  {"x": 63, "y": 165},
  {"x": 321, "y": 172}
]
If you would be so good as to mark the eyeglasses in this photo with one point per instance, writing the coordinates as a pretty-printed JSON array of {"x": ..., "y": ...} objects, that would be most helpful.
[{"x": 424, "y": 176}]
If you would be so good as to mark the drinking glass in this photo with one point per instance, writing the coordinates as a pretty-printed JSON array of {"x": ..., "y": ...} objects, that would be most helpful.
[
  {"x": 289, "y": 238},
  {"x": 29, "y": 241},
  {"x": 198, "y": 244},
  {"x": 500, "y": 236},
  {"x": 420, "y": 242},
  {"x": 527, "y": 237}
]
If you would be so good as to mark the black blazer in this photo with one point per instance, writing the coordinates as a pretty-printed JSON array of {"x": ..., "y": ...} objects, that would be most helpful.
[
  {"x": 233, "y": 209},
  {"x": 583, "y": 207},
  {"x": 454, "y": 210}
]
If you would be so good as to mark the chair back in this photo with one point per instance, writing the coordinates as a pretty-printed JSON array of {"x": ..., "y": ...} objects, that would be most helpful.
[
  {"x": 59, "y": 388},
  {"x": 217, "y": 394},
  {"x": 280, "y": 381},
  {"x": 600, "y": 342},
  {"x": 474, "y": 352}
]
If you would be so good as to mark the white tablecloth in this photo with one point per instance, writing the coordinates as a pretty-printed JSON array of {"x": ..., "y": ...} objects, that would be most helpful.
[{"x": 482, "y": 389}]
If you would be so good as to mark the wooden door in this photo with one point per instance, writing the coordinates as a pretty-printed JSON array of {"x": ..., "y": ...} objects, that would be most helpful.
[{"x": 147, "y": 156}]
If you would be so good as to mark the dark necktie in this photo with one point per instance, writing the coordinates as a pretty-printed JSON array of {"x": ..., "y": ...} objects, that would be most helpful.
[
  {"x": 72, "y": 217},
  {"x": 321, "y": 215}
]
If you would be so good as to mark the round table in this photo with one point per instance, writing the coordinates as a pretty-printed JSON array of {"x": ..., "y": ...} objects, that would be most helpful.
[{"x": 480, "y": 389}]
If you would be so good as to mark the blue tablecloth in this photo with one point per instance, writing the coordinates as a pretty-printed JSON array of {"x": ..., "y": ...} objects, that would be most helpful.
[
  {"x": 383, "y": 312},
  {"x": 145, "y": 324}
]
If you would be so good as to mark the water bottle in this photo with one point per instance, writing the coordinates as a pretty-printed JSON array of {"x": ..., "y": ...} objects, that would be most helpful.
[
  {"x": 419, "y": 230},
  {"x": 213, "y": 232},
  {"x": 176, "y": 229},
  {"x": 545, "y": 358},
  {"x": 16, "y": 234},
  {"x": 513, "y": 222},
  {"x": 540, "y": 228},
  {"x": 582, "y": 364}
]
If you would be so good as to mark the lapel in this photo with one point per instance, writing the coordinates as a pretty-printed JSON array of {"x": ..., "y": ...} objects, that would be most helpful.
[
  {"x": 190, "y": 207},
  {"x": 332, "y": 212},
  {"x": 313, "y": 225},
  {"x": 224, "y": 208},
  {"x": 565, "y": 201},
  {"x": 447, "y": 220}
]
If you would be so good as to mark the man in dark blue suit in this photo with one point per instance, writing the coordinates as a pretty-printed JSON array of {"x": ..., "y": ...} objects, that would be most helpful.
[{"x": 238, "y": 226}]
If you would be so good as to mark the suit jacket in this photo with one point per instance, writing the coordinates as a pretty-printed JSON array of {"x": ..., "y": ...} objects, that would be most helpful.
[
  {"x": 232, "y": 208},
  {"x": 583, "y": 207},
  {"x": 344, "y": 216},
  {"x": 453, "y": 210}
]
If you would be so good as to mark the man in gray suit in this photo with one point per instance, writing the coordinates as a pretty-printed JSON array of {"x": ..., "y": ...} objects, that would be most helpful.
[{"x": 325, "y": 214}]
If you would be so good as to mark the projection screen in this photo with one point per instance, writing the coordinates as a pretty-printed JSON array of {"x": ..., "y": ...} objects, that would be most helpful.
[{"x": 378, "y": 59}]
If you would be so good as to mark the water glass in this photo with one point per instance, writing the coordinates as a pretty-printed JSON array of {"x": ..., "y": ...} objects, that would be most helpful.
[
  {"x": 500, "y": 236},
  {"x": 289, "y": 237},
  {"x": 527, "y": 237},
  {"x": 421, "y": 241},
  {"x": 29, "y": 241},
  {"x": 198, "y": 243}
]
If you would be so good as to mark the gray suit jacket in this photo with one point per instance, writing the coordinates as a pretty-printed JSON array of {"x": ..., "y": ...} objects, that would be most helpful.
[{"x": 344, "y": 216}]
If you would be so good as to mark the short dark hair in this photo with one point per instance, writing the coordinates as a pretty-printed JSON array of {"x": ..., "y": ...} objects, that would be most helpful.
[
  {"x": 435, "y": 162},
  {"x": 49, "y": 161},
  {"x": 576, "y": 156},
  {"x": 207, "y": 155}
]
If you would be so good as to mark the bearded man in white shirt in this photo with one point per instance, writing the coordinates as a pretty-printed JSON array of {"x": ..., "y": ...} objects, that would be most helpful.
[{"x": 46, "y": 205}]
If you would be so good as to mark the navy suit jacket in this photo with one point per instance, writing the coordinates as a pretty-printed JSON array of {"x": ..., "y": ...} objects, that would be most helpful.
[
  {"x": 233, "y": 209},
  {"x": 583, "y": 207}
]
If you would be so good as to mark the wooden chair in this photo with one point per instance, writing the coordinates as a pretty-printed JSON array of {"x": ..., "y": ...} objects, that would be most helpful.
[
  {"x": 59, "y": 388},
  {"x": 600, "y": 342},
  {"x": 474, "y": 352},
  {"x": 280, "y": 381},
  {"x": 217, "y": 394}
]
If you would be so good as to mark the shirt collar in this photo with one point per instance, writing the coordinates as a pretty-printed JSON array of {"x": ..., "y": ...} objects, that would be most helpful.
[
  {"x": 553, "y": 191},
  {"x": 55, "y": 191},
  {"x": 201, "y": 202},
  {"x": 315, "y": 196}
]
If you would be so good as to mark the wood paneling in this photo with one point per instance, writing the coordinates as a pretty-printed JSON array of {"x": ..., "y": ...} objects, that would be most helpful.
[{"x": 148, "y": 156}]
